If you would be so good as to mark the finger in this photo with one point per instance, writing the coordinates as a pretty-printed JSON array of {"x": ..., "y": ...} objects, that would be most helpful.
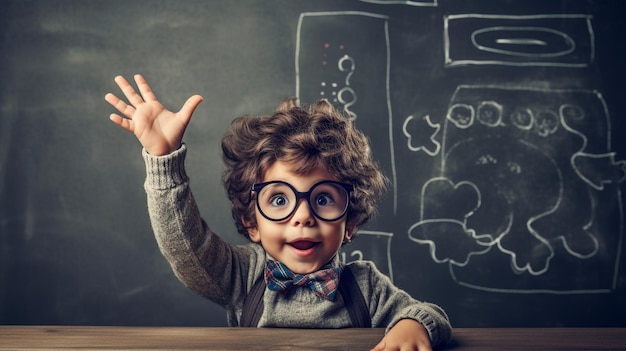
[
  {"x": 120, "y": 105},
  {"x": 189, "y": 107},
  {"x": 130, "y": 93},
  {"x": 126, "y": 124},
  {"x": 144, "y": 88},
  {"x": 380, "y": 347}
]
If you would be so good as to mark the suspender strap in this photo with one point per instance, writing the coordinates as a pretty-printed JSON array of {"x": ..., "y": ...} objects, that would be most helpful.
[
  {"x": 354, "y": 300},
  {"x": 348, "y": 287},
  {"x": 253, "y": 305}
]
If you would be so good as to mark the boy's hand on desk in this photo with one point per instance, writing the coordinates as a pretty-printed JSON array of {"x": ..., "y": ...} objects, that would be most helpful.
[
  {"x": 407, "y": 334},
  {"x": 159, "y": 130}
]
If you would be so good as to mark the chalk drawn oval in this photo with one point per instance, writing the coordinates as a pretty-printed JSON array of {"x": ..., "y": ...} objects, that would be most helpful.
[
  {"x": 523, "y": 41},
  {"x": 489, "y": 113},
  {"x": 523, "y": 118},
  {"x": 461, "y": 115}
]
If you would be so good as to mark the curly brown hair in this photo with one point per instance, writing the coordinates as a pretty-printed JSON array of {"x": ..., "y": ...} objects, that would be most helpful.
[{"x": 313, "y": 137}]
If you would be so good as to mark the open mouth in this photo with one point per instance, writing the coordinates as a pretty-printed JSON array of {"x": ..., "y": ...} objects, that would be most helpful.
[{"x": 303, "y": 244}]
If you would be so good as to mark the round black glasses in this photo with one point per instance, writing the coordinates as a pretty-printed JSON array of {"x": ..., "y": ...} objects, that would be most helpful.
[{"x": 278, "y": 200}]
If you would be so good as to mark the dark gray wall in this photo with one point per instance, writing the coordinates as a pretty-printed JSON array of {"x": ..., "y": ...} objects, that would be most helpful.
[{"x": 498, "y": 122}]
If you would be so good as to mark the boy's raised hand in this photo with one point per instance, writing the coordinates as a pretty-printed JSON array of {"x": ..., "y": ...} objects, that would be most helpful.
[{"x": 159, "y": 130}]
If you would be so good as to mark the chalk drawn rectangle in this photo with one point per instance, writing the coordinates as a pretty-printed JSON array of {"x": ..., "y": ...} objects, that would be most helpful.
[
  {"x": 403, "y": 2},
  {"x": 537, "y": 40},
  {"x": 344, "y": 57},
  {"x": 566, "y": 235},
  {"x": 372, "y": 246}
]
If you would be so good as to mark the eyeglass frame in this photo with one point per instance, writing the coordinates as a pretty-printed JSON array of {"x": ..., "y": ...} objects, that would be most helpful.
[{"x": 257, "y": 187}]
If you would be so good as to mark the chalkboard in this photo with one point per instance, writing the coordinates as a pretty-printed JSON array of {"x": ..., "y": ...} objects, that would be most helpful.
[{"x": 499, "y": 124}]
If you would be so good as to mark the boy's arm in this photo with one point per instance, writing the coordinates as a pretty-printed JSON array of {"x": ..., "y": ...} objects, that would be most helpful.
[
  {"x": 408, "y": 321},
  {"x": 201, "y": 260}
]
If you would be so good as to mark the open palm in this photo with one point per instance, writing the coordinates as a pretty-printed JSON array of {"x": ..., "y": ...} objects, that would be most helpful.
[{"x": 159, "y": 130}]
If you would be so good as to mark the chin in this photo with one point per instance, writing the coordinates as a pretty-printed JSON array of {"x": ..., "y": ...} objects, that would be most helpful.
[{"x": 304, "y": 268}]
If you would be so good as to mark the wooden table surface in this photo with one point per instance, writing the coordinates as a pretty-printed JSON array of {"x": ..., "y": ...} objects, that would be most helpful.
[{"x": 176, "y": 338}]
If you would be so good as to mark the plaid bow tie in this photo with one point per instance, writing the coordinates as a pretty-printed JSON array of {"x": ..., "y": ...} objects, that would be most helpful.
[{"x": 323, "y": 282}]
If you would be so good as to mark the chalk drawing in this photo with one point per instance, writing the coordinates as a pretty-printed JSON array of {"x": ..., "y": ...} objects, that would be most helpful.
[
  {"x": 528, "y": 178},
  {"x": 403, "y": 2},
  {"x": 345, "y": 57},
  {"x": 418, "y": 137},
  {"x": 445, "y": 229},
  {"x": 372, "y": 246},
  {"x": 536, "y": 40}
]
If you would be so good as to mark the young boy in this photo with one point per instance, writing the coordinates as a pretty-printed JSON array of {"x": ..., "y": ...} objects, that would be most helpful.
[{"x": 301, "y": 182}]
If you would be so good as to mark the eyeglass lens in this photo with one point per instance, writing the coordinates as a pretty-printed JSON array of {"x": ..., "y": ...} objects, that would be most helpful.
[{"x": 327, "y": 200}]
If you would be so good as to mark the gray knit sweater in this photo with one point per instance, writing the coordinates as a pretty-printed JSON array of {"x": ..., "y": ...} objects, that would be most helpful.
[{"x": 225, "y": 273}]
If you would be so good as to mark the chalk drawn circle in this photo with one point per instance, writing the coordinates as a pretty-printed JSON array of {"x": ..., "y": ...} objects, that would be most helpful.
[
  {"x": 346, "y": 96},
  {"x": 462, "y": 115},
  {"x": 522, "y": 119},
  {"x": 342, "y": 60},
  {"x": 489, "y": 113},
  {"x": 571, "y": 112},
  {"x": 546, "y": 123}
]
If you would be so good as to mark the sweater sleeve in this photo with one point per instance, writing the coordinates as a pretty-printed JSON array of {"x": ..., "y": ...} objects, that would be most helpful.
[
  {"x": 201, "y": 260},
  {"x": 390, "y": 304},
  {"x": 432, "y": 317}
]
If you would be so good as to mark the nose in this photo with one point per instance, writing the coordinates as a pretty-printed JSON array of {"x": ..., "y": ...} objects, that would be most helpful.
[{"x": 303, "y": 214}]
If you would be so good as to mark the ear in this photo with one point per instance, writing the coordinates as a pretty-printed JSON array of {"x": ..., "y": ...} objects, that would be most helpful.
[
  {"x": 253, "y": 231},
  {"x": 350, "y": 229}
]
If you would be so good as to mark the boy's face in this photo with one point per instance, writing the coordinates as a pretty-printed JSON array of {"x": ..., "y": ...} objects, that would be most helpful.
[{"x": 302, "y": 241}]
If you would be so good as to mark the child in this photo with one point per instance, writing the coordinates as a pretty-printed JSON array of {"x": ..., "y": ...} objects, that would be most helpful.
[{"x": 301, "y": 182}]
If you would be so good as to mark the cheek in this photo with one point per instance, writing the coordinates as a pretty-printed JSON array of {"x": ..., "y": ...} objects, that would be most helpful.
[
  {"x": 267, "y": 230},
  {"x": 337, "y": 231}
]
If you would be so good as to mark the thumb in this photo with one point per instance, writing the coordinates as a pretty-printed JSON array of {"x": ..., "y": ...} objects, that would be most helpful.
[{"x": 189, "y": 107}]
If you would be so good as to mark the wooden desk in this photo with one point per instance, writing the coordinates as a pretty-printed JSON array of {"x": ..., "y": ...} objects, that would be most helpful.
[{"x": 167, "y": 338}]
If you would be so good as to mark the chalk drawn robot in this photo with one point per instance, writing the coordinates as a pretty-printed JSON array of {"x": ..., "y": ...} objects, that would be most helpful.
[{"x": 528, "y": 181}]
